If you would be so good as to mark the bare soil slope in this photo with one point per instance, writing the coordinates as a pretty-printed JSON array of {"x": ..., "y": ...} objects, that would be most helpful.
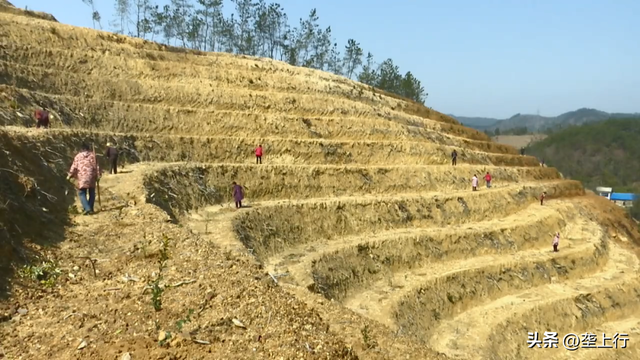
[
  {"x": 519, "y": 141},
  {"x": 357, "y": 239}
]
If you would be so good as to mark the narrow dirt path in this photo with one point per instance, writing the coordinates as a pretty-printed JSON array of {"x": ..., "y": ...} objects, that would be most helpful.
[
  {"x": 16, "y": 129},
  {"x": 112, "y": 313},
  {"x": 217, "y": 218},
  {"x": 379, "y": 300},
  {"x": 297, "y": 261},
  {"x": 629, "y": 326},
  {"x": 214, "y": 224},
  {"x": 408, "y": 195},
  {"x": 468, "y": 332}
]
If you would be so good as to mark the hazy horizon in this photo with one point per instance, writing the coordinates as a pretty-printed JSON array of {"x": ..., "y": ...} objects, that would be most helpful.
[{"x": 541, "y": 114}]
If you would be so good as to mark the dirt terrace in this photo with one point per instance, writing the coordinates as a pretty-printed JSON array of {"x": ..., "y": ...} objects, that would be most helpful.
[{"x": 358, "y": 238}]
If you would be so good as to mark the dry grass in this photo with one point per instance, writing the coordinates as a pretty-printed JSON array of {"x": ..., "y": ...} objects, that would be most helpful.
[
  {"x": 349, "y": 269},
  {"x": 272, "y": 230},
  {"x": 356, "y": 198},
  {"x": 437, "y": 299},
  {"x": 136, "y": 118},
  {"x": 201, "y": 92},
  {"x": 211, "y": 98},
  {"x": 171, "y": 148},
  {"x": 182, "y": 188},
  {"x": 104, "y": 310},
  {"x": 518, "y": 141},
  {"x": 582, "y": 313},
  {"x": 33, "y": 205},
  {"x": 613, "y": 218}
]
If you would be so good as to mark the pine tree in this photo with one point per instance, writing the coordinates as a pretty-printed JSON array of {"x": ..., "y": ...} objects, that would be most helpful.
[
  {"x": 389, "y": 78},
  {"x": 335, "y": 65},
  {"x": 352, "y": 57},
  {"x": 368, "y": 75},
  {"x": 321, "y": 49},
  {"x": 411, "y": 88},
  {"x": 257, "y": 28},
  {"x": 305, "y": 40},
  {"x": 209, "y": 13},
  {"x": 180, "y": 18},
  {"x": 245, "y": 38},
  {"x": 95, "y": 15},
  {"x": 142, "y": 18},
  {"x": 122, "y": 8}
]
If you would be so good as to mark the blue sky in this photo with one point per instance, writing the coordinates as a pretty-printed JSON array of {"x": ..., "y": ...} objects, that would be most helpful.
[{"x": 485, "y": 58}]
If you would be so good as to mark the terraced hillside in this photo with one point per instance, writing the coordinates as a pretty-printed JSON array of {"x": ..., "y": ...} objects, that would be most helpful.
[{"x": 358, "y": 239}]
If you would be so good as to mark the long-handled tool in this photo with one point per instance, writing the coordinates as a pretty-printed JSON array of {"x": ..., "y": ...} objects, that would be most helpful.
[{"x": 95, "y": 158}]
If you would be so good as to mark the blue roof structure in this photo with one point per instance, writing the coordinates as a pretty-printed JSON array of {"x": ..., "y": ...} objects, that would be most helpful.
[{"x": 623, "y": 196}]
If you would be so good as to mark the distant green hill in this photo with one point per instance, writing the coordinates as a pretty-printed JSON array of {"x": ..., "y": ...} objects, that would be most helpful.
[
  {"x": 605, "y": 153},
  {"x": 537, "y": 123}
]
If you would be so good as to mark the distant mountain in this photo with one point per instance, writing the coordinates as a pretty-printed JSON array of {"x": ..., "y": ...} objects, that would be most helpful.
[
  {"x": 475, "y": 122},
  {"x": 537, "y": 123}
]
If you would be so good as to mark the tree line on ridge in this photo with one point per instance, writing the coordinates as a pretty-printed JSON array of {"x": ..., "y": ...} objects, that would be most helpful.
[{"x": 257, "y": 28}]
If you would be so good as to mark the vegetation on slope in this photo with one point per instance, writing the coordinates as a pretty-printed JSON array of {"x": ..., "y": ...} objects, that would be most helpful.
[
  {"x": 257, "y": 28},
  {"x": 600, "y": 154}
]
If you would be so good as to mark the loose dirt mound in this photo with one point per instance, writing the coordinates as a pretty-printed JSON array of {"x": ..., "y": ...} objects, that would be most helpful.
[{"x": 357, "y": 238}]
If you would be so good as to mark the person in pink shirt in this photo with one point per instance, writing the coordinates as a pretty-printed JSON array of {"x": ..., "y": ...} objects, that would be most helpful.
[
  {"x": 85, "y": 169},
  {"x": 259, "y": 154},
  {"x": 487, "y": 178},
  {"x": 474, "y": 183},
  {"x": 556, "y": 242}
]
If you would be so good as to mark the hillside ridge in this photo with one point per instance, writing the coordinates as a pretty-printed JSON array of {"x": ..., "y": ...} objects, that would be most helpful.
[
  {"x": 538, "y": 123},
  {"x": 7, "y": 7},
  {"x": 358, "y": 237}
]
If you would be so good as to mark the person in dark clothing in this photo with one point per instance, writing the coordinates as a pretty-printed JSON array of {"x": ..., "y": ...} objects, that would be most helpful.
[
  {"x": 238, "y": 195},
  {"x": 454, "y": 157},
  {"x": 42, "y": 119},
  {"x": 542, "y": 197},
  {"x": 112, "y": 155},
  {"x": 522, "y": 151}
]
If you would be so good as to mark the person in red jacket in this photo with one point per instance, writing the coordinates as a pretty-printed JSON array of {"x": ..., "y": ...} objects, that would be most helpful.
[
  {"x": 487, "y": 178},
  {"x": 259, "y": 154},
  {"x": 42, "y": 119}
]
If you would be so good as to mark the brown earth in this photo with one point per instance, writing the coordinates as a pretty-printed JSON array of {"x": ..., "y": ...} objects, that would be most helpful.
[
  {"x": 518, "y": 141},
  {"x": 358, "y": 238}
]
